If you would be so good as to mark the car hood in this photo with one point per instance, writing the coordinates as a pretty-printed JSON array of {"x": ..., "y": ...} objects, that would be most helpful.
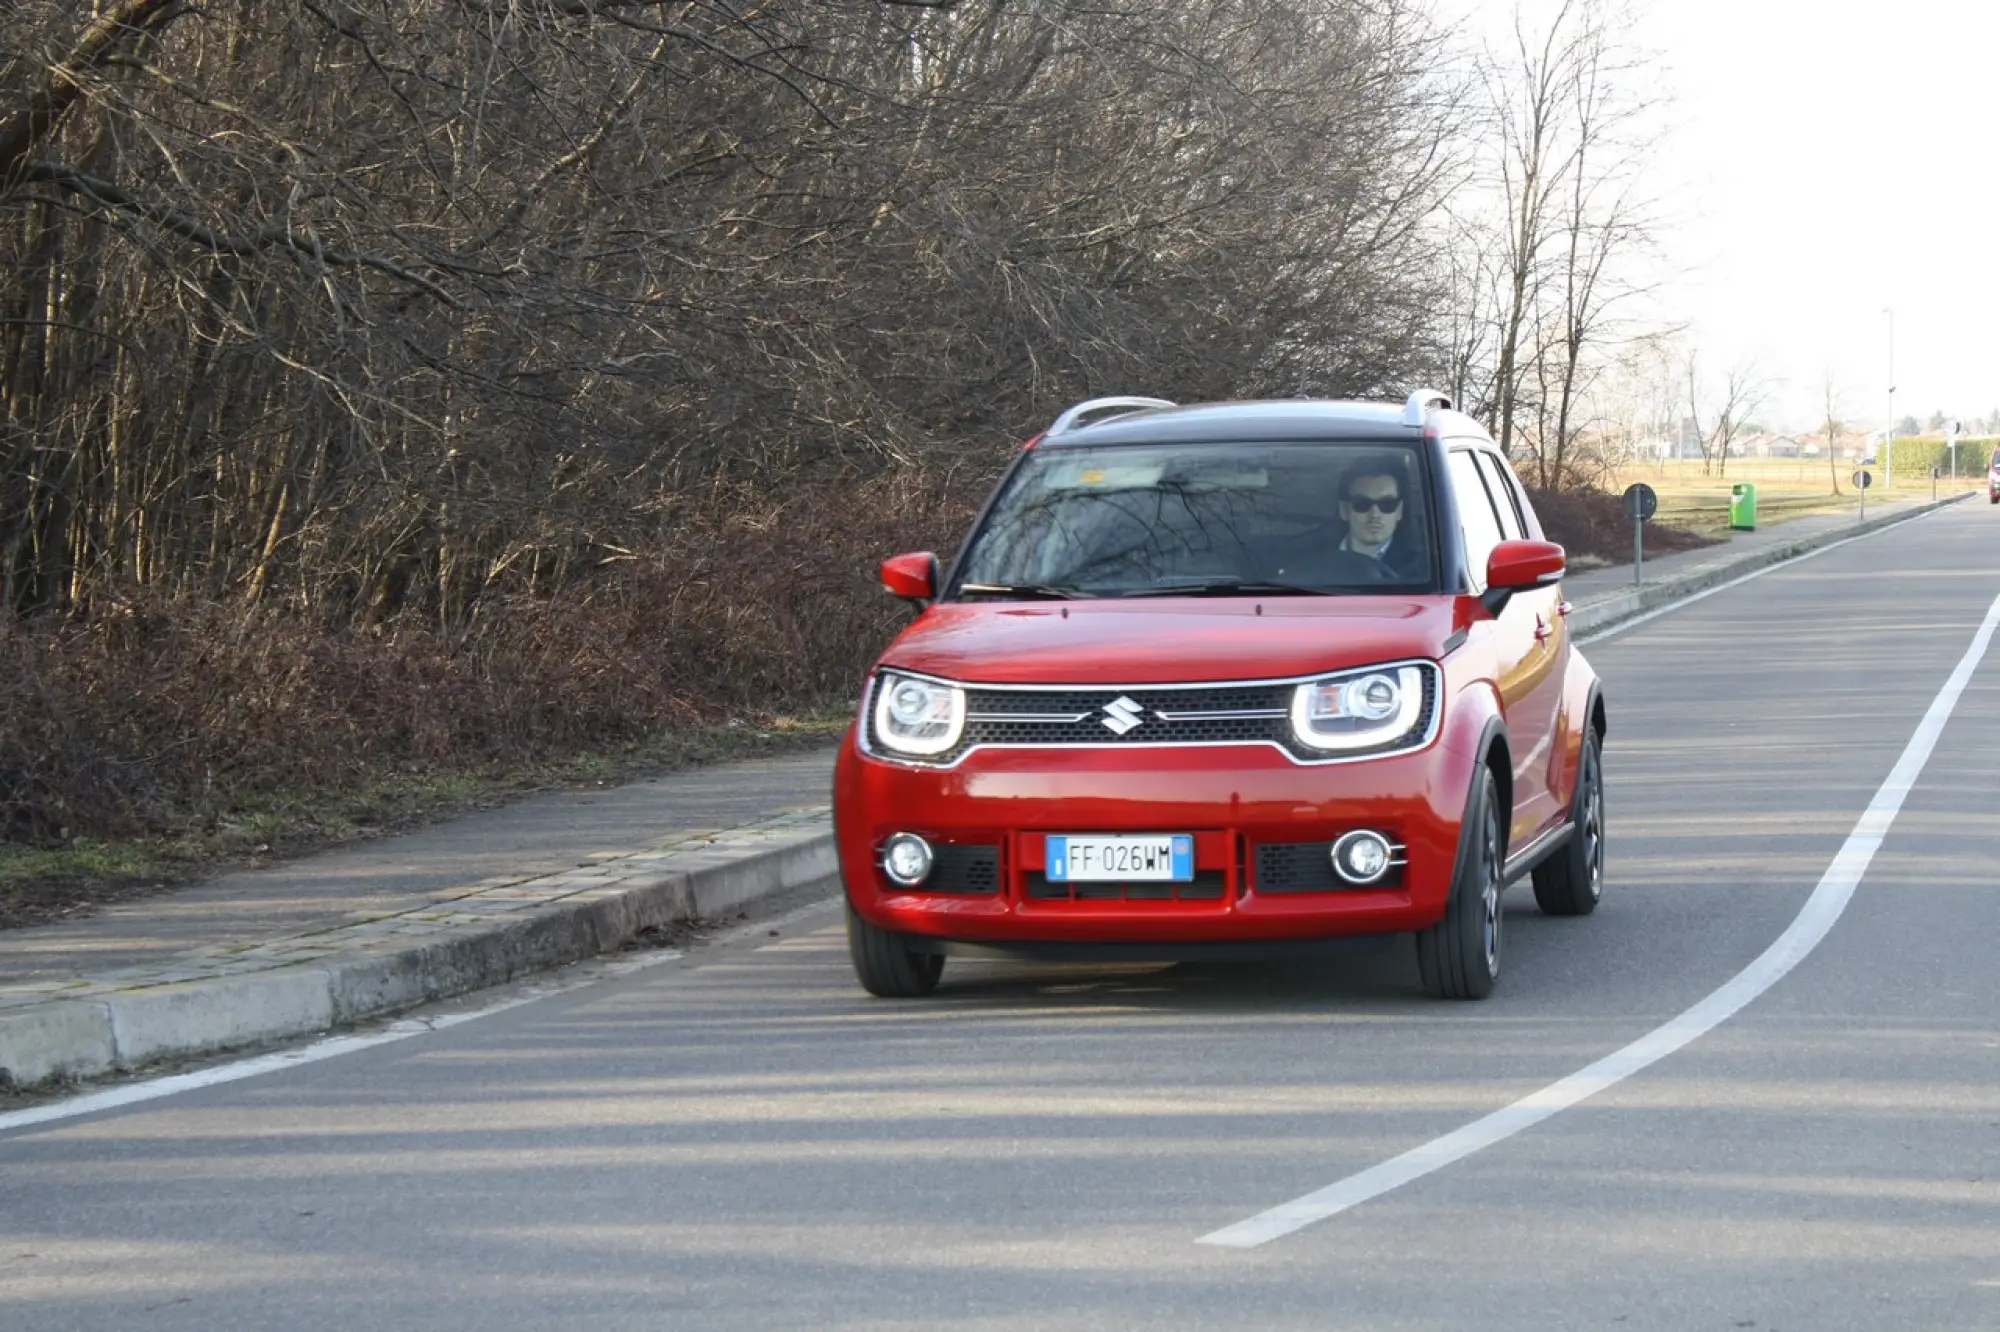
[{"x": 1174, "y": 640}]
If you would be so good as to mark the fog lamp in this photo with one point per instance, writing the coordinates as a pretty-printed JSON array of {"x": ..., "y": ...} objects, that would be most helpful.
[
  {"x": 1362, "y": 857},
  {"x": 906, "y": 858}
]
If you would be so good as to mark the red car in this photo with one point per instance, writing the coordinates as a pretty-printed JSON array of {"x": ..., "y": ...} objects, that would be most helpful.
[{"x": 1227, "y": 679}]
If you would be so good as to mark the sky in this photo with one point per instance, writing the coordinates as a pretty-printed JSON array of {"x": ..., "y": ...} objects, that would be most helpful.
[{"x": 1821, "y": 163}]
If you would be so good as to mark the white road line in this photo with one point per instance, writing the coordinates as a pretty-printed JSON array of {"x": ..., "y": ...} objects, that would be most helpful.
[
  {"x": 1829, "y": 898},
  {"x": 331, "y": 1047}
]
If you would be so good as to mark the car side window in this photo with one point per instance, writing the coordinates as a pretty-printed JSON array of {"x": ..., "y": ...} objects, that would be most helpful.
[
  {"x": 1476, "y": 517},
  {"x": 1512, "y": 526}
]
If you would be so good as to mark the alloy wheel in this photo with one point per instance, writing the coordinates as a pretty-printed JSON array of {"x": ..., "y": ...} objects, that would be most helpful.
[
  {"x": 1489, "y": 891},
  {"x": 1593, "y": 826}
]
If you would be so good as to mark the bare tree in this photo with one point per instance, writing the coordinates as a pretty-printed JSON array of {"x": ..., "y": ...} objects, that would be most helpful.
[
  {"x": 1727, "y": 408},
  {"x": 1832, "y": 424},
  {"x": 1530, "y": 93},
  {"x": 351, "y": 309},
  {"x": 1635, "y": 402},
  {"x": 1570, "y": 148},
  {"x": 1473, "y": 288},
  {"x": 1602, "y": 223}
]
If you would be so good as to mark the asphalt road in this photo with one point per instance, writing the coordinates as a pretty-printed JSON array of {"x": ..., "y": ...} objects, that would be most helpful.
[{"x": 740, "y": 1139}]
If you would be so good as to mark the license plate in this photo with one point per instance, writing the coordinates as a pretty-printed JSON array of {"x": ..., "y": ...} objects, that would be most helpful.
[{"x": 1166, "y": 858}]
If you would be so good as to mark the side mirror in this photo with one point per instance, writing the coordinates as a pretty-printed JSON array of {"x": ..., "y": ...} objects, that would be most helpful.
[
  {"x": 912, "y": 577},
  {"x": 1518, "y": 566}
]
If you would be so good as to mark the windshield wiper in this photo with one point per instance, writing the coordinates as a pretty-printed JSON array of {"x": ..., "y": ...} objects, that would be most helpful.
[
  {"x": 1229, "y": 587},
  {"x": 1026, "y": 591}
]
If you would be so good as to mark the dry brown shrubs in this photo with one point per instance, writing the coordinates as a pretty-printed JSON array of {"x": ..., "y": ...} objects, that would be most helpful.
[{"x": 150, "y": 716}]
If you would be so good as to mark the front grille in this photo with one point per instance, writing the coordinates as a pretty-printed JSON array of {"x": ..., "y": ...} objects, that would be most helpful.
[
  {"x": 1147, "y": 716},
  {"x": 1229, "y": 714},
  {"x": 1307, "y": 867},
  {"x": 969, "y": 870},
  {"x": 1207, "y": 886}
]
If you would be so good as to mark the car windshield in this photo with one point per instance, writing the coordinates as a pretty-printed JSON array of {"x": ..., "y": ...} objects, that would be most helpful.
[{"x": 1206, "y": 519}]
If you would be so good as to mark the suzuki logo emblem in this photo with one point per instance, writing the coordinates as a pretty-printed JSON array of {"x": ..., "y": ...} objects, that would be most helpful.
[{"x": 1121, "y": 714}]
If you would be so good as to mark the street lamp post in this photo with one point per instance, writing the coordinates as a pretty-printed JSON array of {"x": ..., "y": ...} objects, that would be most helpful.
[{"x": 1889, "y": 432}]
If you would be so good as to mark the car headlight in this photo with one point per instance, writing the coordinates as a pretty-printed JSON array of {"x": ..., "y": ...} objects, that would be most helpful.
[
  {"x": 916, "y": 716},
  {"x": 1358, "y": 710}
]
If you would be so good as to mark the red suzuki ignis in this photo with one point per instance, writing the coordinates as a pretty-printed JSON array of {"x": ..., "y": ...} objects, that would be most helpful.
[{"x": 1223, "y": 679}]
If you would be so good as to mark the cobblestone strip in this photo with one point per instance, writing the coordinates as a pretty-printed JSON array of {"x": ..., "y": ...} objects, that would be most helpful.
[{"x": 457, "y": 939}]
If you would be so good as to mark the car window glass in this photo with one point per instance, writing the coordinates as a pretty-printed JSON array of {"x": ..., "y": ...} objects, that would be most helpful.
[
  {"x": 1142, "y": 519},
  {"x": 1475, "y": 515},
  {"x": 1502, "y": 487}
]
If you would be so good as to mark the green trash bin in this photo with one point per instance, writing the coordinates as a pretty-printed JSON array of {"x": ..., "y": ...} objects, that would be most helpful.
[{"x": 1743, "y": 506}]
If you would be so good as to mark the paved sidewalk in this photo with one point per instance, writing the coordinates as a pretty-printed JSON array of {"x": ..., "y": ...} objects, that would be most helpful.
[
  {"x": 1605, "y": 596},
  {"x": 366, "y": 930},
  {"x": 543, "y": 834}
]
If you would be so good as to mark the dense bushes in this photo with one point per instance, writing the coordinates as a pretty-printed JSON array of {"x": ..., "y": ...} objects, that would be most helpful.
[
  {"x": 365, "y": 307},
  {"x": 154, "y": 712},
  {"x": 1914, "y": 458},
  {"x": 393, "y": 384}
]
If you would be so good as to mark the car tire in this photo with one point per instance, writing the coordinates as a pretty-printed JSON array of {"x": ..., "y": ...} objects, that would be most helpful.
[
  {"x": 1571, "y": 882},
  {"x": 1459, "y": 957},
  {"x": 886, "y": 965}
]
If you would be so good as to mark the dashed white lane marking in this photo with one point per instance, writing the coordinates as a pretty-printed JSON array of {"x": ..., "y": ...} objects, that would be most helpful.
[{"x": 1829, "y": 898}]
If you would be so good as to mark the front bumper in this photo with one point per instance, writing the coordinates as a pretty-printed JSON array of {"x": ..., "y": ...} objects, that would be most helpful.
[{"x": 1256, "y": 817}]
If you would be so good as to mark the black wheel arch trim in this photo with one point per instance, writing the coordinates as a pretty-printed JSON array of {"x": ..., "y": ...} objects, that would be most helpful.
[{"x": 1492, "y": 737}]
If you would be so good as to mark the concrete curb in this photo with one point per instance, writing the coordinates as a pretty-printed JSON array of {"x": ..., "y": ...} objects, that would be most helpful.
[
  {"x": 1608, "y": 609},
  {"x": 488, "y": 935},
  {"x": 82, "y": 1030}
]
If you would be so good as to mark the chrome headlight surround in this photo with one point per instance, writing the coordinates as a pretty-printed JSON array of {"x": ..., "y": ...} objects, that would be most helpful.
[
  {"x": 1375, "y": 709},
  {"x": 914, "y": 716}
]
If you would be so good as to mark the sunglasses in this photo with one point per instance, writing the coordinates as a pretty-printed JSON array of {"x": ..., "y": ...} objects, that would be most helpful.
[{"x": 1362, "y": 503}]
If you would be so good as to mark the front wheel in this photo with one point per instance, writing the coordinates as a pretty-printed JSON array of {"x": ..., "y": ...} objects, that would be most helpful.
[
  {"x": 1571, "y": 882},
  {"x": 886, "y": 965},
  {"x": 1459, "y": 957}
]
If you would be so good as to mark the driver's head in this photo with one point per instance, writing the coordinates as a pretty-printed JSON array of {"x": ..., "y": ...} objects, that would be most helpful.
[{"x": 1371, "y": 504}]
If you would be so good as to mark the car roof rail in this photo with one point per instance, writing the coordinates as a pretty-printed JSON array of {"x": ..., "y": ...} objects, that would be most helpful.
[
  {"x": 1422, "y": 401},
  {"x": 1097, "y": 409}
]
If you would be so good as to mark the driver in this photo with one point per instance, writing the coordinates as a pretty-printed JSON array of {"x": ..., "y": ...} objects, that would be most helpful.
[{"x": 1371, "y": 506}]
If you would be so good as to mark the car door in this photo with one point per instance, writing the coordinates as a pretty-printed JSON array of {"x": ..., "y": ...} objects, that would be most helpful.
[
  {"x": 1551, "y": 669},
  {"x": 1525, "y": 666}
]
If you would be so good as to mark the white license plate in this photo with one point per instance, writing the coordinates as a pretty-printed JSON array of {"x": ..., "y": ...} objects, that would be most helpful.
[{"x": 1164, "y": 858}]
